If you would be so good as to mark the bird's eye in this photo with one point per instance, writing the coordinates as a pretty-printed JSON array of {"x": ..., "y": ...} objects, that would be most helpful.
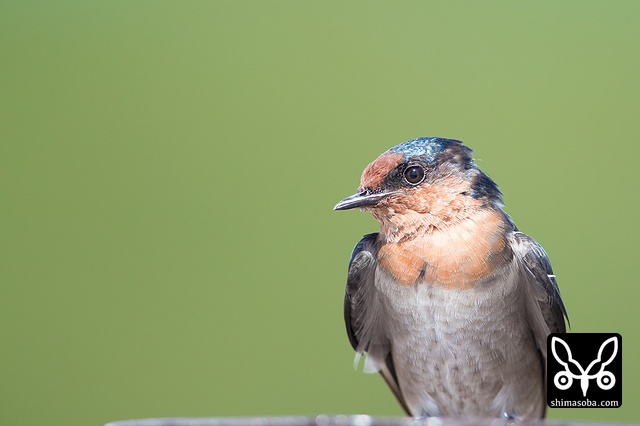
[{"x": 414, "y": 175}]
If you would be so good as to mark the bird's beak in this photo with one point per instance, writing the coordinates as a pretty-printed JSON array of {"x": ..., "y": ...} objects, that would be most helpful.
[{"x": 361, "y": 199}]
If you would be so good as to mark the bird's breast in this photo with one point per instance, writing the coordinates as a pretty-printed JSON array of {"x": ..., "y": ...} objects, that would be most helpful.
[
  {"x": 463, "y": 352},
  {"x": 454, "y": 257}
]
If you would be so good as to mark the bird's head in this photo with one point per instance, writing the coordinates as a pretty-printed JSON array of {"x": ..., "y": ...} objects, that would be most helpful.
[{"x": 429, "y": 180}]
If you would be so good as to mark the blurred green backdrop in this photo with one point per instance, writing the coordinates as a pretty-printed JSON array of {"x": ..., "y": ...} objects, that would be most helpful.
[{"x": 169, "y": 169}]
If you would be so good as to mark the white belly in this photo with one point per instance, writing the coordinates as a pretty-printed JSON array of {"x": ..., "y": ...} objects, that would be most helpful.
[{"x": 464, "y": 352}]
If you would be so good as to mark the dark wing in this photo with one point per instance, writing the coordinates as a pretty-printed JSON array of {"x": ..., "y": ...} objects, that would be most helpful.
[
  {"x": 360, "y": 278},
  {"x": 545, "y": 311},
  {"x": 364, "y": 315}
]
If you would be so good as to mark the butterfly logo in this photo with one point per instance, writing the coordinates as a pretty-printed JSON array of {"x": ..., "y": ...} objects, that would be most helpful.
[{"x": 564, "y": 379}]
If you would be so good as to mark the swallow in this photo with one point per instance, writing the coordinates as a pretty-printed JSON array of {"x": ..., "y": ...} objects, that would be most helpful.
[{"x": 449, "y": 302}]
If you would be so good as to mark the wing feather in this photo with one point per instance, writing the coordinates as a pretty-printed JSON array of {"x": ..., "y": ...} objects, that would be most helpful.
[
  {"x": 364, "y": 315},
  {"x": 545, "y": 310}
]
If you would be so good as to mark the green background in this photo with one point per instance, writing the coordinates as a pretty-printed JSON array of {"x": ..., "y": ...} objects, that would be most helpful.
[{"x": 168, "y": 172}]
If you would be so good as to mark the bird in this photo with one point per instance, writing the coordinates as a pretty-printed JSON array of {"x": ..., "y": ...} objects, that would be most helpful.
[{"x": 449, "y": 301}]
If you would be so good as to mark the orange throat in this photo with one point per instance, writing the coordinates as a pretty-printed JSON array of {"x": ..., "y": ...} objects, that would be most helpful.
[{"x": 454, "y": 254}]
